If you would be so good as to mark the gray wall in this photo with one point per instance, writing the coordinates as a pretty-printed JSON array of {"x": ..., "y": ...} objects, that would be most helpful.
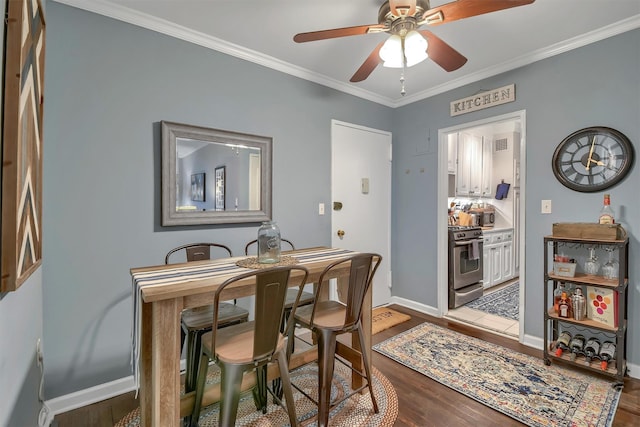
[
  {"x": 108, "y": 86},
  {"x": 595, "y": 85}
]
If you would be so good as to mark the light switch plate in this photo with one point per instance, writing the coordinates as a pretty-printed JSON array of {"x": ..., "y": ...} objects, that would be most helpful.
[
  {"x": 321, "y": 209},
  {"x": 546, "y": 206}
]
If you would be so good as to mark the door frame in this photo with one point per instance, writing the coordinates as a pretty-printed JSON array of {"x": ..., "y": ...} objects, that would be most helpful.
[{"x": 442, "y": 216}]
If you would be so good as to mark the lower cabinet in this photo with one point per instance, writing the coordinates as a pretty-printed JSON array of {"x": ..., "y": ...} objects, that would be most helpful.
[{"x": 497, "y": 257}]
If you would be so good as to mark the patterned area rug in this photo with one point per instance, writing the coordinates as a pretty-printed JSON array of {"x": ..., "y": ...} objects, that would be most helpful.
[
  {"x": 504, "y": 302},
  {"x": 515, "y": 384},
  {"x": 354, "y": 412}
]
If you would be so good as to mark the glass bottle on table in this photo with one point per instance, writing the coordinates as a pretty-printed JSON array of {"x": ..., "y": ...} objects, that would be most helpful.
[{"x": 269, "y": 243}]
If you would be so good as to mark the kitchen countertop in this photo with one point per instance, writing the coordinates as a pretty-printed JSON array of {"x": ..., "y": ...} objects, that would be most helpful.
[{"x": 495, "y": 229}]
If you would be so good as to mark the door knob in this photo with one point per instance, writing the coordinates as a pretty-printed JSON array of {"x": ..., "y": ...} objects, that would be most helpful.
[
  {"x": 341, "y": 233},
  {"x": 337, "y": 206}
]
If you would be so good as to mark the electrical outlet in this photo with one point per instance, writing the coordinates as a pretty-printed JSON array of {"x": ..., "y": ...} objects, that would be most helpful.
[{"x": 546, "y": 206}]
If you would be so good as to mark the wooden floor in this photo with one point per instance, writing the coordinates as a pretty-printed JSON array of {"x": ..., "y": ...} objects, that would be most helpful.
[{"x": 422, "y": 402}]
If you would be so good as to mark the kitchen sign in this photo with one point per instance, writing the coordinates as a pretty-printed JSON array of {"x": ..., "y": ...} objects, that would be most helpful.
[{"x": 483, "y": 100}]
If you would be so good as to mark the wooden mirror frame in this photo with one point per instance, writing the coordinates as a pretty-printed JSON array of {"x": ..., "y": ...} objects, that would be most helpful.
[{"x": 171, "y": 216}]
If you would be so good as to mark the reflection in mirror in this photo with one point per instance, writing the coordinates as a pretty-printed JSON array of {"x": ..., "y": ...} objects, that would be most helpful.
[{"x": 212, "y": 176}]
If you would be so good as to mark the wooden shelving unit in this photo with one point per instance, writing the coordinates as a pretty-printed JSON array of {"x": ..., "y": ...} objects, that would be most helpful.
[{"x": 555, "y": 324}]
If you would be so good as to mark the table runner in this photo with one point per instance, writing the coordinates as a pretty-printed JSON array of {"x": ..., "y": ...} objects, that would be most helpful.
[{"x": 182, "y": 273}]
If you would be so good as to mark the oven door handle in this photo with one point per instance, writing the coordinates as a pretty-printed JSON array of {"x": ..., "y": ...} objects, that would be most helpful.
[{"x": 467, "y": 242}]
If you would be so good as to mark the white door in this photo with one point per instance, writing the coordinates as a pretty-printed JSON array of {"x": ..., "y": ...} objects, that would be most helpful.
[{"x": 361, "y": 182}]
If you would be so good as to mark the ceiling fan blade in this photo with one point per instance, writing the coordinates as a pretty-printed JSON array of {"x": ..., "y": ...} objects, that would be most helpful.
[
  {"x": 337, "y": 32},
  {"x": 443, "y": 54},
  {"x": 402, "y": 7},
  {"x": 368, "y": 65},
  {"x": 461, "y": 9}
]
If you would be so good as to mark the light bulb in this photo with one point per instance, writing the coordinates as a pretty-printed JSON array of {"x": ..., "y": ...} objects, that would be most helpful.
[
  {"x": 415, "y": 48},
  {"x": 391, "y": 52}
]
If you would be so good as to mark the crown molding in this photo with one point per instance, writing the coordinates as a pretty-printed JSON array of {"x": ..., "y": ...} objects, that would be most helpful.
[{"x": 162, "y": 26}]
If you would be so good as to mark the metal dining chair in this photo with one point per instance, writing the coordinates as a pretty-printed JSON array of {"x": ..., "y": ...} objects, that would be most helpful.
[
  {"x": 328, "y": 319},
  {"x": 305, "y": 297},
  {"x": 197, "y": 321},
  {"x": 249, "y": 346}
]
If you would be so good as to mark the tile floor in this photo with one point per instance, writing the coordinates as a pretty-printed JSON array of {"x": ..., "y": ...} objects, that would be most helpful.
[{"x": 491, "y": 322}]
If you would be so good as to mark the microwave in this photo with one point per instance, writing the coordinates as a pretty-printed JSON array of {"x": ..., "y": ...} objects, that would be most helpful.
[{"x": 487, "y": 218}]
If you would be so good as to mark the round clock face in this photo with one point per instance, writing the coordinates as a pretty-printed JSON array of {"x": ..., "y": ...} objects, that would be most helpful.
[{"x": 592, "y": 159}]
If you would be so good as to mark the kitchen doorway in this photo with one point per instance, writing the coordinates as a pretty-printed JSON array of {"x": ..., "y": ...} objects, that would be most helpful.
[{"x": 472, "y": 182}]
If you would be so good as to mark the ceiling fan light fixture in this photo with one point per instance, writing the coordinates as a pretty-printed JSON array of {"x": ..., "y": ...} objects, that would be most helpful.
[
  {"x": 415, "y": 48},
  {"x": 391, "y": 52}
]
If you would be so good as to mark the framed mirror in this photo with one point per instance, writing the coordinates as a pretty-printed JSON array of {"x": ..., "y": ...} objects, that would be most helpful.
[{"x": 213, "y": 176}]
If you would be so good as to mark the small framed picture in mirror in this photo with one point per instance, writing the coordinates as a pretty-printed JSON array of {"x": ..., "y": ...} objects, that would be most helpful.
[
  {"x": 198, "y": 187},
  {"x": 220, "y": 186}
]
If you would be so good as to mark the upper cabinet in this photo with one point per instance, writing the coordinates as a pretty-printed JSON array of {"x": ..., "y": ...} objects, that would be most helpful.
[
  {"x": 453, "y": 153},
  {"x": 473, "y": 174}
]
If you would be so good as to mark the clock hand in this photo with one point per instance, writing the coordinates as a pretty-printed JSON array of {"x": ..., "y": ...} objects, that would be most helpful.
[
  {"x": 593, "y": 144},
  {"x": 601, "y": 163}
]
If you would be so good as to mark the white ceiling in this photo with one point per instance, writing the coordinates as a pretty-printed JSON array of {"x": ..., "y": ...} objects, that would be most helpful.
[{"x": 262, "y": 31}]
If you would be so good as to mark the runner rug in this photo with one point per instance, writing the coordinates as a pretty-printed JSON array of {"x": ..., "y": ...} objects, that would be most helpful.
[
  {"x": 504, "y": 302},
  {"x": 356, "y": 411},
  {"x": 515, "y": 384},
  {"x": 383, "y": 318}
]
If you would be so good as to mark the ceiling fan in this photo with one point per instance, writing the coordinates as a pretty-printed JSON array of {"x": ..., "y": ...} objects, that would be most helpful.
[{"x": 407, "y": 45}]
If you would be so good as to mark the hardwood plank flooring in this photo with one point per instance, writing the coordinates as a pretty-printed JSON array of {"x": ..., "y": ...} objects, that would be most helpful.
[{"x": 422, "y": 401}]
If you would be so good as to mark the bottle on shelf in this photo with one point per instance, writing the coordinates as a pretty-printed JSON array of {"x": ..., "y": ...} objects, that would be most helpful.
[
  {"x": 607, "y": 353},
  {"x": 564, "y": 306},
  {"x": 591, "y": 349},
  {"x": 563, "y": 343},
  {"x": 557, "y": 294},
  {"x": 607, "y": 216},
  {"x": 576, "y": 345}
]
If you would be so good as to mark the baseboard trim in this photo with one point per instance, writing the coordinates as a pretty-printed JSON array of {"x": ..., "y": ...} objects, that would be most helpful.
[
  {"x": 89, "y": 396},
  {"x": 422, "y": 308}
]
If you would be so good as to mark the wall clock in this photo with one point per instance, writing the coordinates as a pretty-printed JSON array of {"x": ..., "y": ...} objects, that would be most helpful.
[{"x": 593, "y": 159}]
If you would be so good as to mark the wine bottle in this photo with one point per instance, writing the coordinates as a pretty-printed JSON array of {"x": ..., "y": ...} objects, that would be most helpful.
[
  {"x": 576, "y": 345},
  {"x": 563, "y": 343},
  {"x": 607, "y": 216},
  {"x": 591, "y": 349},
  {"x": 607, "y": 353}
]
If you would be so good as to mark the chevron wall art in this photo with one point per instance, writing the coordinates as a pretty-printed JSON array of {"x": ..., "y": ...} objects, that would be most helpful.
[{"x": 21, "y": 249}]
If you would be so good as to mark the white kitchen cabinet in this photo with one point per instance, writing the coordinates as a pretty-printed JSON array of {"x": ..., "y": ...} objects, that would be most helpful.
[
  {"x": 507, "y": 256},
  {"x": 452, "y": 158},
  {"x": 487, "y": 165},
  {"x": 473, "y": 172},
  {"x": 497, "y": 254}
]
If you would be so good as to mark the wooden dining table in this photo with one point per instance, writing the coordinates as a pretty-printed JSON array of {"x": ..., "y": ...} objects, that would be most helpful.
[{"x": 160, "y": 293}]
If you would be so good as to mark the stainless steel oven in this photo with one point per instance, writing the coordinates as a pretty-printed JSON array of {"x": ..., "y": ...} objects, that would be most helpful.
[{"x": 465, "y": 265}]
